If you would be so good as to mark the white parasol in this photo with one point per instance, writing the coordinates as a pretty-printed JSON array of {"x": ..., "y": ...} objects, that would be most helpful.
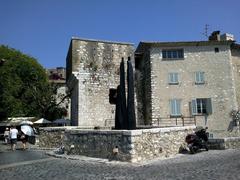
[
  {"x": 62, "y": 121},
  {"x": 27, "y": 130},
  {"x": 42, "y": 121},
  {"x": 26, "y": 123}
]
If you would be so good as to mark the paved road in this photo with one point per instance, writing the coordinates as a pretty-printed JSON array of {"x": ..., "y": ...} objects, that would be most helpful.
[{"x": 219, "y": 165}]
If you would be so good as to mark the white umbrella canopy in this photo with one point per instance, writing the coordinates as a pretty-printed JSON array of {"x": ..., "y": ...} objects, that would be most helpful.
[
  {"x": 27, "y": 130},
  {"x": 26, "y": 122},
  {"x": 42, "y": 121},
  {"x": 61, "y": 121}
]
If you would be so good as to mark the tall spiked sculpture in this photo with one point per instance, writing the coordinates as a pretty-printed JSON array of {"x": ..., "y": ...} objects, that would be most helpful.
[
  {"x": 125, "y": 113},
  {"x": 121, "y": 109},
  {"x": 131, "y": 118}
]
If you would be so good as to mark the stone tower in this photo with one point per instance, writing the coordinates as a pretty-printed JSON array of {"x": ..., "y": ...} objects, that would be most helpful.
[{"x": 92, "y": 73}]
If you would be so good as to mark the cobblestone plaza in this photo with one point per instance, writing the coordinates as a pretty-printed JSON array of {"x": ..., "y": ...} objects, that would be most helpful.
[{"x": 35, "y": 164}]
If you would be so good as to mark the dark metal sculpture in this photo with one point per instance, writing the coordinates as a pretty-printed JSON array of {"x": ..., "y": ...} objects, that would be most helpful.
[
  {"x": 131, "y": 118},
  {"x": 125, "y": 114},
  {"x": 121, "y": 109}
]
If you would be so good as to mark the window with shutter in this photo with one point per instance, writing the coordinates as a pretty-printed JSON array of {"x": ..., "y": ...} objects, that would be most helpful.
[
  {"x": 201, "y": 106},
  {"x": 172, "y": 54},
  {"x": 199, "y": 77},
  {"x": 175, "y": 107},
  {"x": 173, "y": 78}
]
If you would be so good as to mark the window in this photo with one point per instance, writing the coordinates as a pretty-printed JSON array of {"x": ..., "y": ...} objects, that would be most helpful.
[
  {"x": 175, "y": 107},
  {"x": 173, "y": 78},
  {"x": 216, "y": 50},
  {"x": 199, "y": 77},
  {"x": 172, "y": 54},
  {"x": 112, "y": 96},
  {"x": 201, "y": 106}
]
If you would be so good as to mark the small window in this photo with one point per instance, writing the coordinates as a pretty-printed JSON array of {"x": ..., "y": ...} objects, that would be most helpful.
[
  {"x": 199, "y": 77},
  {"x": 112, "y": 96},
  {"x": 216, "y": 50},
  {"x": 173, "y": 78},
  {"x": 174, "y": 55},
  {"x": 164, "y": 54},
  {"x": 201, "y": 106},
  {"x": 175, "y": 107},
  {"x": 170, "y": 54}
]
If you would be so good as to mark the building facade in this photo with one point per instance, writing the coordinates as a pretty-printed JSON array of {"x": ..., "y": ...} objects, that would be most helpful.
[
  {"x": 57, "y": 77},
  {"x": 176, "y": 83},
  {"x": 92, "y": 73},
  {"x": 197, "y": 80}
]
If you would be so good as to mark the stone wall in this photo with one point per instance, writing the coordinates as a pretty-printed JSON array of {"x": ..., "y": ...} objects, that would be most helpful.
[
  {"x": 225, "y": 143},
  {"x": 143, "y": 89},
  {"x": 132, "y": 146},
  {"x": 232, "y": 142},
  {"x": 51, "y": 137},
  {"x": 236, "y": 70},
  {"x": 158, "y": 142},
  {"x": 93, "y": 69}
]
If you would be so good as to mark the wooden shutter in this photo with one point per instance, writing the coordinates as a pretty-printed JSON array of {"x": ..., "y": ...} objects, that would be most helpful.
[
  {"x": 194, "y": 106},
  {"x": 196, "y": 77},
  {"x": 209, "y": 106},
  {"x": 172, "y": 107},
  {"x": 178, "y": 106},
  {"x": 175, "y": 107},
  {"x": 176, "y": 77},
  {"x": 202, "y": 79}
]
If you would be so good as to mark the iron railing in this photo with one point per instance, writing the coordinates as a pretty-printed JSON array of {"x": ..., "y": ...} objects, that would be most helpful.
[
  {"x": 163, "y": 121},
  {"x": 174, "y": 121}
]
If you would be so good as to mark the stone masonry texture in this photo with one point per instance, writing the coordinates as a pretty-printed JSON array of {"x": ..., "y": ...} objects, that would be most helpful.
[
  {"x": 132, "y": 145},
  {"x": 92, "y": 70},
  {"x": 221, "y": 82}
]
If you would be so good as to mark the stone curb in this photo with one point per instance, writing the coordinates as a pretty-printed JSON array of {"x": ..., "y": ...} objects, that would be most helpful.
[
  {"x": 106, "y": 161},
  {"x": 87, "y": 159}
]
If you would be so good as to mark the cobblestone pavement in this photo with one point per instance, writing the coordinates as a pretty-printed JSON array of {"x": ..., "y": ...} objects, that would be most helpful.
[{"x": 214, "y": 164}]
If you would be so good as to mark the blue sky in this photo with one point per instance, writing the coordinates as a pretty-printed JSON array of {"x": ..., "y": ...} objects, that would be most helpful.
[{"x": 43, "y": 28}]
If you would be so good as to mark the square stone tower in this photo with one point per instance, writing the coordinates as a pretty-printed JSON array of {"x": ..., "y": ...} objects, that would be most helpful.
[{"x": 92, "y": 74}]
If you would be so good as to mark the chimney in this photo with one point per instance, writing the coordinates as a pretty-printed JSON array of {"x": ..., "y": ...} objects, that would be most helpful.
[
  {"x": 215, "y": 36},
  {"x": 227, "y": 37}
]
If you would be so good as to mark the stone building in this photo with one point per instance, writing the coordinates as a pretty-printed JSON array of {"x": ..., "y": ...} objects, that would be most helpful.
[
  {"x": 58, "y": 73},
  {"x": 92, "y": 74},
  {"x": 177, "y": 83},
  {"x": 57, "y": 76},
  {"x": 198, "y": 81}
]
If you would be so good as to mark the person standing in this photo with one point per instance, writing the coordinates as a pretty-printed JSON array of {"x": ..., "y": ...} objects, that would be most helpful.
[
  {"x": 13, "y": 137},
  {"x": 6, "y": 135},
  {"x": 23, "y": 138}
]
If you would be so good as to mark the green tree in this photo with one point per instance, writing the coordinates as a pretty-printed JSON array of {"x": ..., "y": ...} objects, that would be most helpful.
[{"x": 24, "y": 87}]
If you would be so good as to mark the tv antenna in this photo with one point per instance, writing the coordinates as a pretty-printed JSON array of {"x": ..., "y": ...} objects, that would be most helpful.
[{"x": 206, "y": 30}]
